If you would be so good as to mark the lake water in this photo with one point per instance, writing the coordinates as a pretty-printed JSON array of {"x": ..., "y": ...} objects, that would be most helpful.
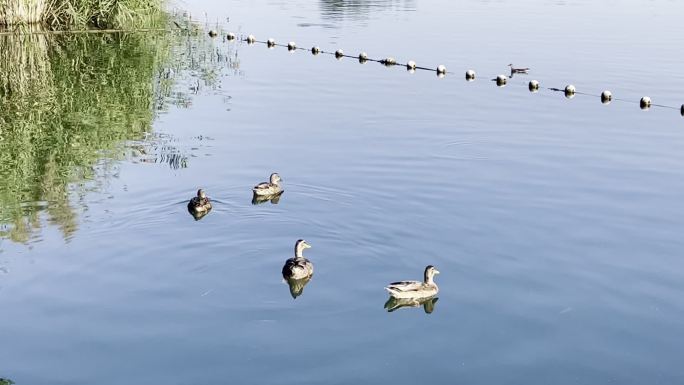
[{"x": 556, "y": 223}]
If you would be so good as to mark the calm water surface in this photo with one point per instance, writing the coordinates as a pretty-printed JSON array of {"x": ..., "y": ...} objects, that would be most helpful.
[{"x": 556, "y": 224}]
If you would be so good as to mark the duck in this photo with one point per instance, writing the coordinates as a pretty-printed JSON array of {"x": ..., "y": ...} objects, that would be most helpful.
[
  {"x": 298, "y": 267},
  {"x": 272, "y": 187},
  {"x": 415, "y": 289},
  {"x": 518, "y": 70},
  {"x": 199, "y": 204}
]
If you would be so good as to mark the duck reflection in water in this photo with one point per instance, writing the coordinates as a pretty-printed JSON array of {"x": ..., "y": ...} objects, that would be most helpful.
[
  {"x": 259, "y": 199},
  {"x": 297, "y": 285},
  {"x": 298, "y": 270},
  {"x": 428, "y": 304}
]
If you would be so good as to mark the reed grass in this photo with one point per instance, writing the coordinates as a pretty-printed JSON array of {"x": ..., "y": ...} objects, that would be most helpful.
[{"x": 63, "y": 14}]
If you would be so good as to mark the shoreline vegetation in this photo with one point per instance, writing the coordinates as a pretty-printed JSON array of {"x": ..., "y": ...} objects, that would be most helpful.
[
  {"x": 73, "y": 104},
  {"x": 81, "y": 14}
]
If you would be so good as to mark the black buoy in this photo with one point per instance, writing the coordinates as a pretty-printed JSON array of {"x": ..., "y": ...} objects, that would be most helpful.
[
  {"x": 645, "y": 103},
  {"x": 389, "y": 61},
  {"x": 533, "y": 86},
  {"x": 501, "y": 80},
  {"x": 606, "y": 97},
  {"x": 213, "y": 33},
  {"x": 363, "y": 57},
  {"x": 270, "y": 43},
  {"x": 570, "y": 91},
  {"x": 315, "y": 50},
  {"x": 339, "y": 54},
  {"x": 470, "y": 75}
]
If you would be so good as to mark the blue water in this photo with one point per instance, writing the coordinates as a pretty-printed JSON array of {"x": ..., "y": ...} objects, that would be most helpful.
[{"x": 556, "y": 223}]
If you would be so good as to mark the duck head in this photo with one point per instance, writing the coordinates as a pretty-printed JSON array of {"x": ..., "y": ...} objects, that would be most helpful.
[
  {"x": 430, "y": 272},
  {"x": 300, "y": 245},
  {"x": 201, "y": 194},
  {"x": 275, "y": 178}
]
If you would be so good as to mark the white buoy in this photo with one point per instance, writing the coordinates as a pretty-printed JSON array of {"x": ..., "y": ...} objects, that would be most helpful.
[
  {"x": 606, "y": 97},
  {"x": 501, "y": 80},
  {"x": 315, "y": 50},
  {"x": 291, "y": 46},
  {"x": 270, "y": 43},
  {"x": 212, "y": 33},
  {"x": 441, "y": 69},
  {"x": 389, "y": 61},
  {"x": 339, "y": 54},
  {"x": 533, "y": 86},
  {"x": 470, "y": 75},
  {"x": 411, "y": 65},
  {"x": 645, "y": 103},
  {"x": 570, "y": 91},
  {"x": 363, "y": 57},
  {"x": 230, "y": 36},
  {"x": 251, "y": 39}
]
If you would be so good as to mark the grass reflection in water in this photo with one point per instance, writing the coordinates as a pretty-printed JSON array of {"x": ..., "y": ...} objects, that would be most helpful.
[{"x": 70, "y": 102}]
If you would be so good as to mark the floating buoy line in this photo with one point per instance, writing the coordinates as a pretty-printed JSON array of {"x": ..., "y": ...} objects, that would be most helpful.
[{"x": 606, "y": 97}]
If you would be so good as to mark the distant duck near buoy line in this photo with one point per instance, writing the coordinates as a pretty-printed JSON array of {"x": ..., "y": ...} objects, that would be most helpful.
[{"x": 518, "y": 70}]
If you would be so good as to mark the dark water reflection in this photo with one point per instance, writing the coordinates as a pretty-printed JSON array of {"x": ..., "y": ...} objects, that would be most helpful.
[
  {"x": 361, "y": 9},
  {"x": 428, "y": 304}
]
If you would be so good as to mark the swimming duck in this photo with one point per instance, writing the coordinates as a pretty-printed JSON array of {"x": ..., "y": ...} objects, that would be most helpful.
[
  {"x": 199, "y": 204},
  {"x": 271, "y": 187},
  {"x": 298, "y": 267},
  {"x": 415, "y": 289},
  {"x": 518, "y": 70}
]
